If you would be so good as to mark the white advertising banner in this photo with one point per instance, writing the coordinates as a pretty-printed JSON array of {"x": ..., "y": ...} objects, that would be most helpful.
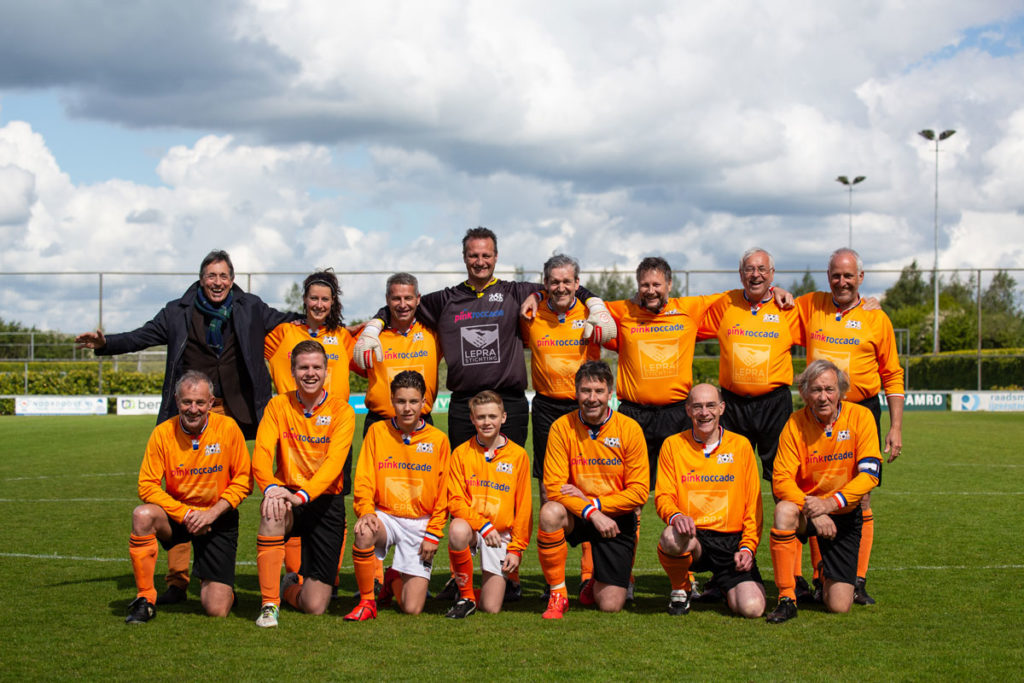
[
  {"x": 996, "y": 401},
  {"x": 60, "y": 405},
  {"x": 138, "y": 405}
]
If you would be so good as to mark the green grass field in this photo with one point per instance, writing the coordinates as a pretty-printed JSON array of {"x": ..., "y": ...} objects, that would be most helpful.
[{"x": 946, "y": 572}]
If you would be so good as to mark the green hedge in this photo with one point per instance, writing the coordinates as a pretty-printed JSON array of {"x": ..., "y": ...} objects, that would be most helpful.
[{"x": 959, "y": 371}]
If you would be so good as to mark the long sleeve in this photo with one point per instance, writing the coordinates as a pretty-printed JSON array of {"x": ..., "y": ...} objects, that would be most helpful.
[
  {"x": 522, "y": 524},
  {"x": 151, "y": 474}
]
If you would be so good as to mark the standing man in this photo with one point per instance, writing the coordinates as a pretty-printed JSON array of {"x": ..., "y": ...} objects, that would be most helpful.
[
  {"x": 301, "y": 448},
  {"x": 217, "y": 329},
  {"x": 709, "y": 495},
  {"x": 204, "y": 466},
  {"x": 828, "y": 460},
  {"x": 862, "y": 344},
  {"x": 595, "y": 475}
]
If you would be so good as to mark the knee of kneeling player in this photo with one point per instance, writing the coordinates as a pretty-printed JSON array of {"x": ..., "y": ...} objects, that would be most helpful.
[
  {"x": 459, "y": 534},
  {"x": 787, "y": 515},
  {"x": 750, "y": 607}
]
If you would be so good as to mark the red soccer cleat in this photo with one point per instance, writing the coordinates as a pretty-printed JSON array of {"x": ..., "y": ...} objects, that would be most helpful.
[
  {"x": 558, "y": 605},
  {"x": 587, "y": 593},
  {"x": 364, "y": 611}
]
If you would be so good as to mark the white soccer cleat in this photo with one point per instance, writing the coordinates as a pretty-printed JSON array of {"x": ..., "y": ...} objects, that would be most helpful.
[
  {"x": 599, "y": 326},
  {"x": 368, "y": 346},
  {"x": 268, "y": 616}
]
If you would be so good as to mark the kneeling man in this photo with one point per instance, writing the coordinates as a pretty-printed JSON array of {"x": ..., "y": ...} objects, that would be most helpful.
[
  {"x": 301, "y": 446},
  {"x": 828, "y": 459},
  {"x": 203, "y": 462},
  {"x": 709, "y": 494},
  {"x": 595, "y": 476}
]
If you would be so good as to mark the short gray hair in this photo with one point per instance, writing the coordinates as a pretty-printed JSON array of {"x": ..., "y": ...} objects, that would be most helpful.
[
  {"x": 402, "y": 279},
  {"x": 757, "y": 250},
  {"x": 845, "y": 250},
  {"x": 189, "y": 378},
  {"x": 816, "y": 369},
  {"x": 561, "y": 261}
]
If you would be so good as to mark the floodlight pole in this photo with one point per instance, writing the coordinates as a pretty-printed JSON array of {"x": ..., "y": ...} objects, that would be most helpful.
[
  {"x": 929, "y": 134},
  {"x": 849, "y": 184}
]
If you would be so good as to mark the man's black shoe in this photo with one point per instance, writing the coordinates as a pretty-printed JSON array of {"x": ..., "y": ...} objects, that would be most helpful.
[
  {"x": 140, "y": 611},
  {"x": 803, "y": 591},
  {"x": 451, "y": 590},
  {"x": 860, "y": 593},
  {"x": 172, "y": 596},
  {"x": 678, "y": 603},
  {"x": 513, "y": 591},
  {"x": 462, "y": 608},
  {"x": 784, "y": 612}
]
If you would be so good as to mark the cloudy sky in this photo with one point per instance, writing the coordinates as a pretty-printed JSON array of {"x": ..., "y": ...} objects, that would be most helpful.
[{"x": 137, "y": 136}]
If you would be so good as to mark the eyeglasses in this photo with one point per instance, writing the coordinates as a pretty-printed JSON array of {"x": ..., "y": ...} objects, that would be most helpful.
[{"x": 761, "y": 270}]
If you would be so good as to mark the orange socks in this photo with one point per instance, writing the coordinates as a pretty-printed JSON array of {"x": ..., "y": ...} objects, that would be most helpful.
[
  {"x": 143, "y": 550},
  {"x": 552, "y": 552},
  {"x": 867, "y": 538},
  {"x": 269, "y": 557},
  {"x": 293, "y": 554},
  {"x": 462, "y": 570},
  {"x": 586, "y": 562},
  {"x": 815, "y": 556},
  {"x": 178, "y": 558},
  {"x": 784, "y": 549},
  {"x": 364, "y": 566},
  {"x": 678, "y": 569}
]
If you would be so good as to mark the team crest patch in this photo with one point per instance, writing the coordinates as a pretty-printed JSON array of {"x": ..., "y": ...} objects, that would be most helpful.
[
  {"x": 612, "y": 442},
  {"x": 844, "y": 435},
  {"x": 323, "y": 420},
  {"x": 672, "y": 311},
  {"x": 505, "y": 467},
  {"x": 497, "y": 296},
  {"x": 578, "y": 324},
  {"x": 724, "y": 458},
  {"x": 417, "y": 337},
  {"x": 853, "y": 324},
  {"x": 211, "y": 449},
  {"x": 771, "y": 317},
  {"x": 425, "y": 447},
  {"x": 331, "y": 340}
]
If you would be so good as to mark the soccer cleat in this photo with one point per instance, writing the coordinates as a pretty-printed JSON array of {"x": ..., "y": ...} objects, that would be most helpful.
[
  {"x": 695, "y": 591},
  {"x": 384, "y": 591},
  {"x": 860, "y": 593},
  {"x": 172, "y": 596},
  {"x": 587, "y": 593},
  {"x": 268, "y": 616},
  {"x": 450, "y": 591},
  {"x": 513, "y": 591},
  {"x": 630, "y": 590},
  {"x": 364, "y": 611},
  {"x": 462, "y": 608},
  {"x": 679, "y": 603},
  {"x": 546, "y": 595},
  {"x": 803, "y": 591},
  {"x": 558, "y": 605},
  {"x": 785, "y": 611},
  {"x": 818, "y": 594},
  {"x": 287, "y": 581},
  {"x": 711, "y": 593},
  {"x": 140, "y": 611}
]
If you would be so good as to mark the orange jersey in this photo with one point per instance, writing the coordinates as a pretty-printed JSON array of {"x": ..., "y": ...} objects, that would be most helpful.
[
  {"x": 754, "y": 343},
  {"x": 277, "y": 349},
  {"x": 656, "y": 349},
  {"x": 196, "y": 473},
  {"x": 404, "y": 479},
  {"x": 609, "y": 465},
  {"x": 493, "y": 494},
  {"x": 417, "y": 350},
  {"x": 303, "y": 454},
  {"x": 843, "y": 462},
  {"x": 556, "y": 349},
  {"x": 721, "y": 491},
  {"x": 861, "y": 343}
]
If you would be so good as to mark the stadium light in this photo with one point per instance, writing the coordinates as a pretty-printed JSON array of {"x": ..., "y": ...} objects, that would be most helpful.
[
  {"x": 929, "y": 134},
  {"x": 849, "y": 184}
]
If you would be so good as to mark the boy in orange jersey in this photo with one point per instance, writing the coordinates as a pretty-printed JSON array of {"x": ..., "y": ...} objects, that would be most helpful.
[
  {"x": 828, "y": 459},
  {"x": 709, "y": 495},
  {"x": 401, "y": 500},
  {"x": 297, "y": 463},
  {"x": 491, "y": 503},
  {"x": 204, "y": 464},
  {"x": 595, "y": 475}
]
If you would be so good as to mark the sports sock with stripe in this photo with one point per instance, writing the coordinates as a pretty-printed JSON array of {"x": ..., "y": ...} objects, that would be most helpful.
[
  {"x": 552, "y": 552},
  {"x": 784, "y": 546},
  {"x": 462, "y": 570},
  {"x": 143, "y": 551},
  {"x": 678, "y": 569},
  {"x": 364, "y": 568},
  {"x": 269, "y": 557}
]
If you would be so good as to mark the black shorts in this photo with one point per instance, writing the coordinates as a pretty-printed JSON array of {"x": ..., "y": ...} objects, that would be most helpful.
[
  {"x": 320, "y": 524},
  {"x": 760, "y": 419},
  {"x": 372, "y": 417},
  {"x": 717, "y": 551},
  {"x": 658, "y": 423},
  {"x": 613, "y": 557},
  {"x": 461, "y": 429},
  {"x": 545, "y": 411},
  {"x": 215, "y": 551},
  {"x": 874, "y": 404},
  {"x": 839, "y": 554}
]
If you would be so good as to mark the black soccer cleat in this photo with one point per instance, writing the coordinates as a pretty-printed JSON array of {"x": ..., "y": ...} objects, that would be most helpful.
[
  {"x": 803, "y": 591},
  {"x": 172, "y": 596},
  {"x": 785, "y": 611},
  {"x": 140, "y": 611},
  {"x": 513, "y": 591},
  {"x": 860, "y": 593},
  {"x": 450, "y": 590},
  {"x": 818, "y": 595},
  {"x": 461, "y": 609},
  {"x": 679, "y": 603}
]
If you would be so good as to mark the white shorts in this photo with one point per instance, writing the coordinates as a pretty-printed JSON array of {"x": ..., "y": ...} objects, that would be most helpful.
[
  {"x": 406, "y": 535},
  {"x": 491, "y": 558}
]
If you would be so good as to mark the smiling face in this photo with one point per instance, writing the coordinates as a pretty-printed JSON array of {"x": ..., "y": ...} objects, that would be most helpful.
[
  {"x": 844, "y": 279},
  {"x": 561, "y": 284},
  {"x": 705, "y": 410},
  {"x": 592, "y": 397},
  {"x": 488, "y": 419},
  {"x": 408, "y": 403},
  {"x": 402, "y": 302},
  {"x": 481, "y": 256},
  {"x": 216, "y": 282},
  {"x": 194, "y": 402},
  {"x": 822, "y": 396},
  {"x": 652, "y": 290},
  {"x": 309, "y": 371},
  {"x": 757, "y": 275},
  {"x": 318, "y": 300}
]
